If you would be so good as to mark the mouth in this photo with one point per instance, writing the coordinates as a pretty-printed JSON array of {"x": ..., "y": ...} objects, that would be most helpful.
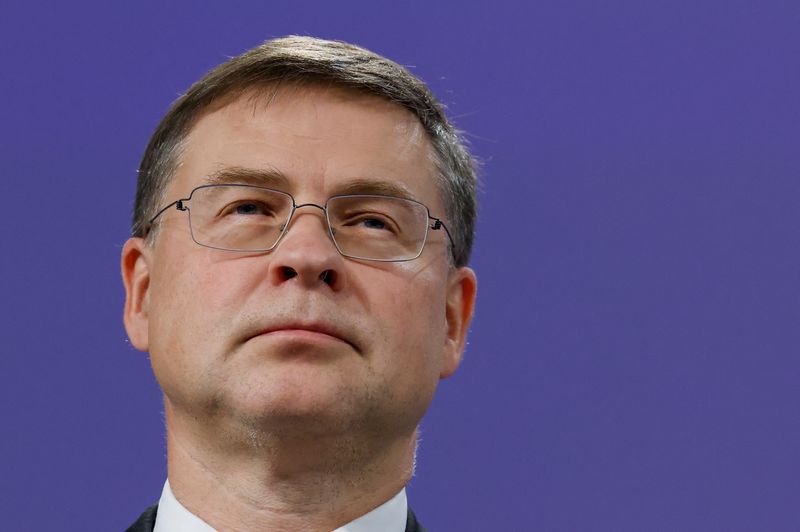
[{"x": 308, "y": 332}]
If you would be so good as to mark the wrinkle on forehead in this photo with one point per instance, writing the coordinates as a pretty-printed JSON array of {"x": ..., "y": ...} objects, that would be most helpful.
[
  {"x": 249, "y": 114},
  {"x": 260, "y": 98}
]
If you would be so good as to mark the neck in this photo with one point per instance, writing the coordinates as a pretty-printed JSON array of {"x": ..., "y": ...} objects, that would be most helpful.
[{"x": 271, "y": 481}]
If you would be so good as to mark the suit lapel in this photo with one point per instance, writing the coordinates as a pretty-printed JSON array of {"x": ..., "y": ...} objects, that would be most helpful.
[
  {"x": 412, "y": 525},
  {"x": 146, "y": 521}
]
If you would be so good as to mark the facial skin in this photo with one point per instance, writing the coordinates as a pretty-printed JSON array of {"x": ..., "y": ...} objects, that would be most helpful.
[{"x": 228, "y": 332}]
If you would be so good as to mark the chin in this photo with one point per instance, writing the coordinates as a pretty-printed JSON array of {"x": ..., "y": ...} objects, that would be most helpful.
[{"x": 298, "y": 404}]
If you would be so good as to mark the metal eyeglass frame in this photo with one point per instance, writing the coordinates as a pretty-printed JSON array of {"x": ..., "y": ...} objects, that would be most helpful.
[{"x": 180, "y": 205}]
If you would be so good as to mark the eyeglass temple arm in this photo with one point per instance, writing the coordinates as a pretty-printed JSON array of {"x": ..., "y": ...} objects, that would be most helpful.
[
  {"x": 438, "y": 224},
  {"x": 178, "y": 204}
]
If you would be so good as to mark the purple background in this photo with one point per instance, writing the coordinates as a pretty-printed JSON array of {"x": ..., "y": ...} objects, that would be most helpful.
[{"x": 633, "y": 364}]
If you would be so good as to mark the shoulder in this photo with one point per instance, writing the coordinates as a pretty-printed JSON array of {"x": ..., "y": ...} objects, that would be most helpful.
[{"x": 146, "y": 521}]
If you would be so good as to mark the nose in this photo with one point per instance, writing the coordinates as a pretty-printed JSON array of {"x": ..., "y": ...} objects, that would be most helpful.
[{"x": 306, "y": 254}]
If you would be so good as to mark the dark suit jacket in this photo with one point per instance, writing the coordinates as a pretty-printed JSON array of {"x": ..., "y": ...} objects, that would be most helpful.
[{"x": 147, "y": 521}]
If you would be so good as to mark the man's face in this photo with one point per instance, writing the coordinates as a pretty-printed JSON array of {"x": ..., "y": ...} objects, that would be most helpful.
[{"x": 300, "y": 336}]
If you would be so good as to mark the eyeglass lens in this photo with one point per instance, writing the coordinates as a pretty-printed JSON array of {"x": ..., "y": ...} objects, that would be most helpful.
[{"x": 250, "y": 218}]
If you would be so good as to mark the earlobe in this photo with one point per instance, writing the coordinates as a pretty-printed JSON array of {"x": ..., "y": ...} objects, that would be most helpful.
[
  {"x": 135, "y": 264},
  {"x": 461, "y": 291}
]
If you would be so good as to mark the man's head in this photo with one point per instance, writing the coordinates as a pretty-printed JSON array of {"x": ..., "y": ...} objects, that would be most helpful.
[{"x": 301, "y": 340}]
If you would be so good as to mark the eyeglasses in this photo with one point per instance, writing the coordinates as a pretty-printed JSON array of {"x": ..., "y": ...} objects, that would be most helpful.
[{"x": 250, "y": 218}]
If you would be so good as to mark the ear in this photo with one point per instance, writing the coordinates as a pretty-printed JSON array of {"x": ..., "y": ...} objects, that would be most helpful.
[
  {"x": 462, "y": 286},
  {"x": 135, "y": 263}
]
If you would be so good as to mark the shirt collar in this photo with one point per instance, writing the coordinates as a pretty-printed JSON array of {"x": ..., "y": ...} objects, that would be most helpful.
[
  {"x": 172, "y": 515},
  {"x": 388, "y": 517}
]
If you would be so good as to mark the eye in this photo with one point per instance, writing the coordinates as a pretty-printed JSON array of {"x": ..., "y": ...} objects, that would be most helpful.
[
  {"x": 248, "y": 208},
  {"x": 373, "y": 223}
]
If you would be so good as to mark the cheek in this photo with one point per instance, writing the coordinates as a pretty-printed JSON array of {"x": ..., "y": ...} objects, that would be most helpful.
[
  {"x": 412, "y": 319},
  {"x": 408, "y": 349},
  {"x": 190, "y": 311}
]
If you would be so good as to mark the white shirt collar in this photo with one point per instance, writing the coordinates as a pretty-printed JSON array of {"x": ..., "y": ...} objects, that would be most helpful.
[
  {"x": 172, "y": 516},
  {"x": 390, "y": 516}
]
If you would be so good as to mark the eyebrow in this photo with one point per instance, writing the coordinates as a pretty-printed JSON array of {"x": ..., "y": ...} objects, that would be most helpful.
[
  {"x": 274, "y": 178},
  {"x": 377, "y": 187},
  {"x": 268, "y": 177}
]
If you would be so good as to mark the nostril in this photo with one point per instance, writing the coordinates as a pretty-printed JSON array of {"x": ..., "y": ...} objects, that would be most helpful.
[
  {"x": 288, "y": 273},
  {"x": 328, "y": 277}
]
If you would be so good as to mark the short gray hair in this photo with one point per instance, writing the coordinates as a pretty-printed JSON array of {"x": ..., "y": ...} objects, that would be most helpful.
[{"x": 304, "y": 61}]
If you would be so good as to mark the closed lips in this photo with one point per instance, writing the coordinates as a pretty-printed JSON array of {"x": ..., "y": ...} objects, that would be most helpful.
[{"x": 313, "y": 328}]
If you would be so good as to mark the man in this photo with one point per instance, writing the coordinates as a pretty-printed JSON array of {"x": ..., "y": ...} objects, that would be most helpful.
[{"x": 303, "y": 221}]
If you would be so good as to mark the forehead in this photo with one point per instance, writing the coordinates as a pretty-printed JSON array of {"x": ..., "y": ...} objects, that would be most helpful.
[{"x": 320, "y": 139}]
